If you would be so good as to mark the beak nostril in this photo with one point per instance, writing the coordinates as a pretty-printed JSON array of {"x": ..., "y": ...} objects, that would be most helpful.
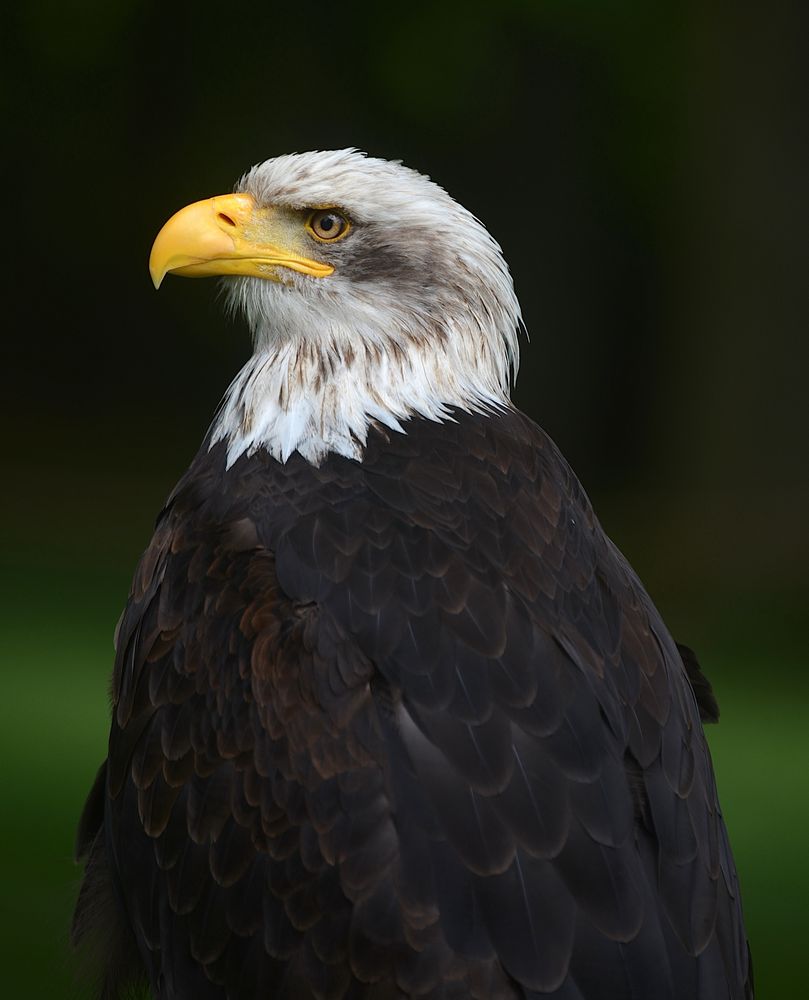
[{"x": 226, "y": 219}]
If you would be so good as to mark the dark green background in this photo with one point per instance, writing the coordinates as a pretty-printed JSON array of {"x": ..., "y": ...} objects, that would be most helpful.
[{"x": 644, "y": 166}]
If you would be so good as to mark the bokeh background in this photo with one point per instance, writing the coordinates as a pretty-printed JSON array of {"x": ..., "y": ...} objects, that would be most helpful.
[{"x": 644, "y": 166}]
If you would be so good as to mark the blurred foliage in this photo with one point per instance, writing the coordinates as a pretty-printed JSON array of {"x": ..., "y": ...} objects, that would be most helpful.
[{"x": 643, "y": 166}]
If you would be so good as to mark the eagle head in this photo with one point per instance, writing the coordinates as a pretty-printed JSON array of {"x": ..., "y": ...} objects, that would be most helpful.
[{"x": 371, "y": 294}]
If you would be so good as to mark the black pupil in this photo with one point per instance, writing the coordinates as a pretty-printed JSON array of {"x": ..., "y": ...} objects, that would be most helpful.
[{"x": 328, "y": 222}]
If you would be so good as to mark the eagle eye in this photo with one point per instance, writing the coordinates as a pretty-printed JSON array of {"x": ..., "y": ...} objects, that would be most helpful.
[{"x": 327, "y": 225}]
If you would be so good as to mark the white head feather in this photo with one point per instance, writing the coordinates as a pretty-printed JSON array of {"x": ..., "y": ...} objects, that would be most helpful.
[{"x": 419, "y": 316}]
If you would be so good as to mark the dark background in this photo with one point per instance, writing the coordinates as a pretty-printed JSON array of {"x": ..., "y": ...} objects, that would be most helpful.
[{"x": 644, "y": 166}]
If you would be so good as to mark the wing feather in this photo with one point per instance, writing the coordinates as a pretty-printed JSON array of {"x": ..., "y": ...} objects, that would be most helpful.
[{"x": 410, "y": 727}]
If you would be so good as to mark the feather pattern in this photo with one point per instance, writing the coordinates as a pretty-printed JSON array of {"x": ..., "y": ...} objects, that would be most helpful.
[{"x": 408, "y": 727}]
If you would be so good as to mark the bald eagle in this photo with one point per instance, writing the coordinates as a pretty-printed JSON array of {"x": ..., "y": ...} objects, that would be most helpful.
[{"x": 391, "y": 715}]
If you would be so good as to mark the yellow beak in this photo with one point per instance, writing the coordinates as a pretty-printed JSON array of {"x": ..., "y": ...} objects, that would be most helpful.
[{"x": 228, "y": 234}]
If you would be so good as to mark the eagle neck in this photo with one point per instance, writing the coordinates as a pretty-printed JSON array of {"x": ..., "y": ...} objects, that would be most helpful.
[{"x": 321, "y": 396}]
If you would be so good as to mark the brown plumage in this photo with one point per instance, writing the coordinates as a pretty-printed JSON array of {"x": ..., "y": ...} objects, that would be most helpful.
[{"x": 408, "y": 727}]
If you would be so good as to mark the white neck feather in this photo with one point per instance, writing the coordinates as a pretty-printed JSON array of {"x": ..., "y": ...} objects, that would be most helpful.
[{"x": 316, "y": 397}]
